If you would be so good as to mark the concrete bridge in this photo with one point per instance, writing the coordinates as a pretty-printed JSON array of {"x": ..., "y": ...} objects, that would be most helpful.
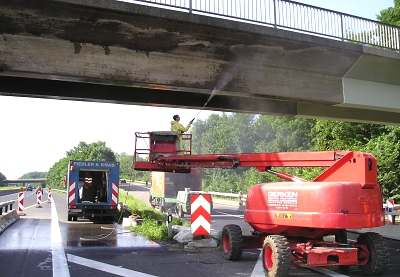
[
  {"x": 137, "y": 54},
  {"x": 25, "y": 181}
]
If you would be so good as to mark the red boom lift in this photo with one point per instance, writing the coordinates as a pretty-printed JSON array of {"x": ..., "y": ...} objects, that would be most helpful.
[{"x": 291, "y": 219}]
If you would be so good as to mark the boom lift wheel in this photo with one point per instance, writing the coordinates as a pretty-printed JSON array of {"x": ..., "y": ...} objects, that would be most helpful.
[
  {"x": 276, "y": 256},
  {"x": 232, "y": 242},
  {"x": 378, "y": 257}
]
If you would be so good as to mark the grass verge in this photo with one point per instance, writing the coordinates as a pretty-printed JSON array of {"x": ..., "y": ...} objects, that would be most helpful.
[
  {"x": 9, "y": 188},
  {"x": 154, "y": 225}
]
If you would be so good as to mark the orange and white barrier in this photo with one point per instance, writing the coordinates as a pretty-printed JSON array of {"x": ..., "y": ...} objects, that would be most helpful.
[
  {"x": 389, "y": 208},
  {"x": 39, "y": 198},
  {"x": 21, "y": 201},
  {"x": 200, "y": 218},
  {"x": 49, "y": 198},
  {"x": 240, "y": 198}
]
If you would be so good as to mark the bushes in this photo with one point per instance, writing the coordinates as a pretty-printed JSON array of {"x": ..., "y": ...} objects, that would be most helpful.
[{"x": 154, "y": 225}]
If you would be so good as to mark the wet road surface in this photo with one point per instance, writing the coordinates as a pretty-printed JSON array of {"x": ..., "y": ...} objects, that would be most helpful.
[{"x": 43, "y": 243}]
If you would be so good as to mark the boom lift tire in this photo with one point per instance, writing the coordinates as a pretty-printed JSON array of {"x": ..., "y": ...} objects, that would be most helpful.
[
  {"x": 232, "y": 242},
  {"x": 276, "y": 256},
  {"x": 378, "y": 253}
]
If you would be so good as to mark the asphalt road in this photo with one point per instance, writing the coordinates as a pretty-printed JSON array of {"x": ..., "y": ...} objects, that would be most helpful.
[{"x": 43, "y": 243}]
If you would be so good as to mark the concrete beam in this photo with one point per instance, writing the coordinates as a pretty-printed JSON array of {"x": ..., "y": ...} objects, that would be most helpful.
[{"x": 127, "y": 53}]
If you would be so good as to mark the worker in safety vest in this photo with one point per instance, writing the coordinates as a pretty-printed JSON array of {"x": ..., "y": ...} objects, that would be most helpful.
[{"x": 177, "y": 127}]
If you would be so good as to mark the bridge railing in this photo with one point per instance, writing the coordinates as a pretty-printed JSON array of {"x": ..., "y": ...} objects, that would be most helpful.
[
  {"x": 6, "y": 206},
  {"x": 290, "y": 15}
]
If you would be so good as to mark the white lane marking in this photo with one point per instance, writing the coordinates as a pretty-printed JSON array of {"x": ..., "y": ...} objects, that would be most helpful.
[
  {"x": 239, "y": 216},
  {"x": 106, "y": 267},
  {"x": 258, "y": 270},
  {"x": 327, "y": 272},
  {"x": 60, "y": 265}
]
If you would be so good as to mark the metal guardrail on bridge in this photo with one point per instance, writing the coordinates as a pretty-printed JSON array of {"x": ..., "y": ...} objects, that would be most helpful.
[
  {"x": 6, "y": 206},
  {"x": 291, "y": 15}
]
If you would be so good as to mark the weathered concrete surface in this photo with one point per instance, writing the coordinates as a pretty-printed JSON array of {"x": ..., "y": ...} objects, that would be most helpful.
[{"x": 121, "y": 52}]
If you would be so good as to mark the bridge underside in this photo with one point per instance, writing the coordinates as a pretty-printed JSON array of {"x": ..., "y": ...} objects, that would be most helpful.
[{"x": 118, "y": 52}]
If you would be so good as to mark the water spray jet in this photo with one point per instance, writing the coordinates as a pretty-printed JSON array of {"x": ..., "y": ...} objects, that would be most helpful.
[{"x": 222, "y": 82}]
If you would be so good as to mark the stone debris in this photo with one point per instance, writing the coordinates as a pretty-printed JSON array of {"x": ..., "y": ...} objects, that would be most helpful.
[
  {"x": 184, "y": 235},
  {"x": 202, "y": 243}
]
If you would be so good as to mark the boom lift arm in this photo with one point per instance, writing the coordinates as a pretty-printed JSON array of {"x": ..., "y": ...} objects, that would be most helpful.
[
  {"x": 294, "y": 216},
  {"x": 343, "y": 166}
]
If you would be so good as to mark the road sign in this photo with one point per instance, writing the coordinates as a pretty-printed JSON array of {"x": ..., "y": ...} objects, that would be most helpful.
[{"x": 200, "y": 218}]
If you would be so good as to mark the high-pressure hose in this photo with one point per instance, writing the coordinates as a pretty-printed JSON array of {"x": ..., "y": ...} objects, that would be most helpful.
[{"x": 209, "y": 98}]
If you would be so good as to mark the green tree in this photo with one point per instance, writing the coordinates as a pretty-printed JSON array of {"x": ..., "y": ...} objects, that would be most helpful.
[
  {"x": 282, "y": 134},
  {"x": 247, "y": 133},
  {"x": 391, "y": 15},
  {"x": 380, "y": 140},
  {"x": 215, "y": 137},
  {"x": 2, "y": 178},
  {"x": 386, "y": 149},
  {"x": 96, "y": 151},
  {"x": 125, "y": 165},
  {"x": 127, "y": 171},
  {"x": 33, "y": 175},
  {"x": 55, "y": 176},
  {"x": 141, "y": 175},
  {"x": 339, "y": 135},
  {"x": 226, "y": 133}
]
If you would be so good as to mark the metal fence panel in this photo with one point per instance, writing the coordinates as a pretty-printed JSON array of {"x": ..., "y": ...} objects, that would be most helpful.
[{"x": 292, "y": 16}]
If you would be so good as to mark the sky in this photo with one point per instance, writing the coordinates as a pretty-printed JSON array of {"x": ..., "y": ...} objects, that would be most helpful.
[{"x": 36, "y": 133}]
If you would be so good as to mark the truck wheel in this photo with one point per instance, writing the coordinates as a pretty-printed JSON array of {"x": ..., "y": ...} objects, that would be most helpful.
[
  {"x": 151, "y": 201},
  {"x": 232, "y": 242},
  {"x": 181, "y": 213},
  {"x": 377, "y": 254},
  {"x": 161, "y": 204},
  {"x": 276, "y": 256},
  {"x": 69, "y": 217},
  {"x": 75, "y": 218}
]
